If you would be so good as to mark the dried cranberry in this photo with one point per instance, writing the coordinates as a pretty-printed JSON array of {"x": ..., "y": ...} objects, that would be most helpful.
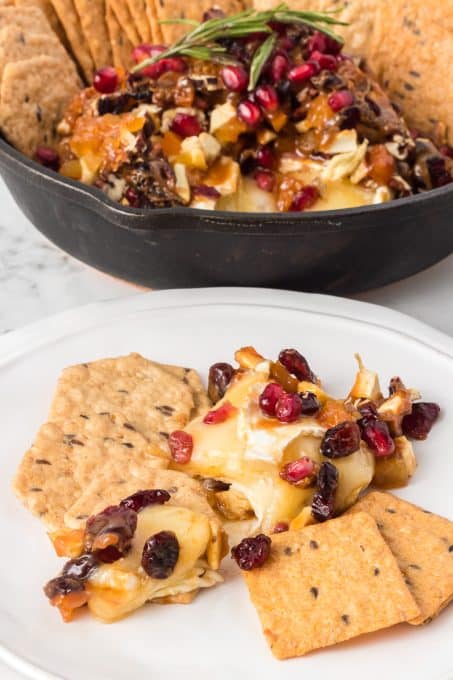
[
  {"x": 252, "y": 552},
  {"x": 341, "y": 440},
  {"x": 109, "y": 533},
  {"x": 220, "y": 376},
  {"x": 82, "y": 567},
  {"x": 376, "y": 434},
  {"x": 265, "y": 180},
  {"x": 160, "y": 554},
  {"x": 269, "y": 398},
  {"x": 264, "y": 157},
  {"x": 299, "y": 471},
  {"x": 323, "y": 504},
  {"x": 288, "y": 408},
  {"x": 235, "y": 78},
  {"x": 266, "y": 96},
  {"x": 438, "y": 172},
  {"x": 185, "y": 125},
  {"x": 132, "y": 197},
  {"x": 340, "y": 100},
  {"x": 418, "y": 423},
  {"x": 181, "y": 446},
  {"x": 310, "y": 403},
  {"x": 48, "y": 157},
  {"x": 296, "y": 364},
  {"x": 249, "y": 113},
  {"x": 207, "y": 191},
  {"x": 302, "y": 73},
  {"x": 368, "y": 411},
  {"x": 106, "y": 80},
  {"x": 141, "y": 499},
  {"x": 62, "y": 585},
  {"x": 220, "y": 415},
  {"x": 325, "y": 61},
  {"x": 305, "y": 198},
  {"x": 279, "y": 68}
]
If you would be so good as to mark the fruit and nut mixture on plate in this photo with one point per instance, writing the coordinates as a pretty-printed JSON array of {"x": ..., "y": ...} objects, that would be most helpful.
[
  {"x": 260, "y": 111},
  {"x": 145, "y": 481}
]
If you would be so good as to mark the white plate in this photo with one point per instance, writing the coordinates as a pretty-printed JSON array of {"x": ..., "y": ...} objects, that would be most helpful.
[{"x": 218, "y": 636}]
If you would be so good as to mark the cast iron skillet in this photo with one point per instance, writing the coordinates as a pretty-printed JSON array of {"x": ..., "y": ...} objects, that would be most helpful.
[{"x": 340, "y": 252}]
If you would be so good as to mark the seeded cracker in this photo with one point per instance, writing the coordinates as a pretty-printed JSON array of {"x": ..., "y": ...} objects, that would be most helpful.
[
  {"x": 46, "y": 7},
  {"x": 41, "y": 90},
  {"x": 119, "y": 42},
  {"x": 328, "y": 583},
  {"x": 17, "y": 45},
  {"x": 92, "y": 19},
  {"x": 137, "y": 8},
  {"x": 124, "y": 17},
  {"x": 423, "y": 546},
  {"x": 70, "y": 20},
  {"x": 31, "y": 19}
]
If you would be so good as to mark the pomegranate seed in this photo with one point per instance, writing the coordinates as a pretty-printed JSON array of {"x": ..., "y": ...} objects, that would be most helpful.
[
  {"x": 322, "y": 43},
  {"x": 269, "y": 398},
  {"x": 299, "y": 74},
  {"x": 267, "y": 98},
  {"x": 162, "y": 66},
  {"x": 340, "y": 100},
  {"x": 252, "y": 552},
  {"x": 305, "y": 198},
  {"x": 48, "y": 157},
  {"x": 106, "y": 80},
  {"x": 220, "y": 376},
  {"x": 288, "y": 408},
  {"x": 181, "y": 446},
  {"x": 299, "y": 471},
  {"x": 418, "y": 424},
  {"x": 220, "y": 415},
  {"x": 279, "y": 67},
  {"x": 376, "y": 434},
  {"x": 446, "y": 150},
  {"x": 280, "y": 527},
  {"x": 145, "y": 51},
  {"x": 286, "y": 43},
  {"x": 132, "y": 197},
  {"x": 186, "y": 125},
  {"x": 235, "y": 78},
  {"x": 296, "y": 364},
  {"x": 249, "y": 113},
  {"x": 310, "y": 403},
  {"x": 325, "y": 61},
  {"x": 264, "y": 157},
  {"x": 265, "y": 180},
  {"x": 341, "y": 440},
  {"x": 323, "y": 505}
]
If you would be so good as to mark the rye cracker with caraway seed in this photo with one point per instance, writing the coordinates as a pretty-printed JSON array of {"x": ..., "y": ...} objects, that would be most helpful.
[
  {"x": 40, "y": 89},
  {"x": 137, "y": 8},
  {"x": 17, "y": 45},
  {"x": 328, "y": 583},
  {"x": 423, "y": 546},
  {"x": 92, "y": 20},
  {"x": 69, "y": 18},
  {"x": 119, "y": 42}
]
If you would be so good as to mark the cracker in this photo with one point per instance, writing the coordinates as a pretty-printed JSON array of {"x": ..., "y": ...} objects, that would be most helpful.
[
  {"x": 190, "y": 377},
  {"x": 69, "y": 18},
  {"x": 423, "y": 546},
  {"x": 119, "y": 42},
  {"x": 155, "y": 27},
  {"x": 152, "y": 401},
  {"x": 92, "y": 20},
  {"x": 17, "y": 45},
  {"x": 173, "y": 9},
  {"x": 66, "y": 456},
  {"x": 137, "y": 8},
  {"x": 40, "y": 89},
  {"x": 31, "y": 20},
  {"x": 328, "y": 583},
  {"x": 124, "y": 17},
  {"x": 46, "y": 7}
]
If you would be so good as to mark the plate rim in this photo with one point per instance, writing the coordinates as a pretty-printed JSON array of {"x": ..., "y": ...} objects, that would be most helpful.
[{"x": 17, "y": 343}]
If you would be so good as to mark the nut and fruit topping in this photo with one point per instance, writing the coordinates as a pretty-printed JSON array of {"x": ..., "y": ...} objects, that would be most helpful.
[
  {"x": 220, "y": 376},
  {"x": 301, "y": 472},
  {"x": 181, "y": 446},
  {"x": 323, "y": 504},
  {"x": 341, "y": 440},
  {"x": 141, "y": 499},
  {"x": 160, "y": 555},
  {"x": 109, "y": 533},
  {"x": 252, "y": 552},
  {"x": 220, "y": 415},
  {"x": 418, "y": 424},
  {"x": 296, "y": 364}
]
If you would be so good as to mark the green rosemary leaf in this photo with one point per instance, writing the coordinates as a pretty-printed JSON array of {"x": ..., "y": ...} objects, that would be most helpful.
[
  {"x": 260, "y": 57},
  {"x": 186, "y": 22}
]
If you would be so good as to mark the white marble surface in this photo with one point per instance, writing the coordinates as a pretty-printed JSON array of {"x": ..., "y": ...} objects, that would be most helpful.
[{"x": 37, "y": 279}]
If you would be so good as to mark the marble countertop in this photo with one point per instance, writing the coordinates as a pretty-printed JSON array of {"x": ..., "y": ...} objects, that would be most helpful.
[{"x": 37, "y": 280}]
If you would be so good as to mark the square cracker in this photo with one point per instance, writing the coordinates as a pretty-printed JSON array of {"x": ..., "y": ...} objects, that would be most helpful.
[
  {"x": 46, "y": 7},
  {"x": 423, "y": 546},
  {"x": 92, "y": 20},
  {"x": 40, "y": 89},
  {"x": 69, "y": 18},
  {"x": 17, "y": 45},
  {"x": 328, "y": 583},
  {"x": 120, "y": 44},
  {"x": 137, "y": 8}
]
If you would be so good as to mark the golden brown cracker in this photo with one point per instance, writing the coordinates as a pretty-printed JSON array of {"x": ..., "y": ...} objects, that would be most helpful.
[
  {"x": 423, "y": 546},
  {"x": 40, "y": 89},
  {"x": 31, "y": 19},
  {"x": 328, "y": 583},
  {"x": 172, "y": 9},
  {"x": 119, "y": 42},
  {"x": 92, "y": 20},
  {"x": 69, "y": 18},
  {"x": 190, "y": 377},
  {"x": 17, "y": 45},
  {"x": 124, "y": 17},
  {"x": 155, "y": 27},
  {"x": 137, "y": 8},
  {"x": 46, "y": 7}
]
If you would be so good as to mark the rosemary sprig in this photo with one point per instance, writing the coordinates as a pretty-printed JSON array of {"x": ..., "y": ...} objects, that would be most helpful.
[{"x": 203, "y": 41}]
